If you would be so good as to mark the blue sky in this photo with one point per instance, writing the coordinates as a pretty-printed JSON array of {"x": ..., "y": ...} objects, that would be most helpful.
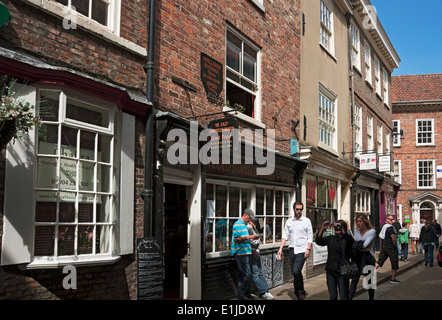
[{"x": 415, "y": 30}]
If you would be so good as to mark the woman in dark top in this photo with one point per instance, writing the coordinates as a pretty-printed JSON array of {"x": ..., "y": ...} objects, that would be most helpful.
[
  {"x": 339, "y": 248},
  {"x": 428, "y": 238}
]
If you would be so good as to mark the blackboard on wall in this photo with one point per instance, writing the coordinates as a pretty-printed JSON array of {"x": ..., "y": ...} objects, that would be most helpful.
[{"x": 150, "y": 269}]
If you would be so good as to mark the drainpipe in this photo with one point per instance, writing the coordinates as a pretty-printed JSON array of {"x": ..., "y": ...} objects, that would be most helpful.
[
  {"x": 352, "y": 106},
  {"x": 147, "y": 193}
]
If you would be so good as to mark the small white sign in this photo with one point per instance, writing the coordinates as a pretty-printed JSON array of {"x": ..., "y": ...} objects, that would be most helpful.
[
  {"x": 438, "y": 171},
  {"x": 384, "y": 163},
  {"x": 367, "y": 161}
]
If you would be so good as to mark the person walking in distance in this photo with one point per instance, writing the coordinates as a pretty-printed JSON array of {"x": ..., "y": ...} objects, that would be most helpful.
[
  {"x": 438, "y": 230},
  {"x": 241, "y": 249},
  {"x": 298, "y": 230},
  {"x": 428, "y": 238},
  {"x": 415, "y": 232},
  {"x": 403, "y": 239},
  {"x": 389, "y": 248}
]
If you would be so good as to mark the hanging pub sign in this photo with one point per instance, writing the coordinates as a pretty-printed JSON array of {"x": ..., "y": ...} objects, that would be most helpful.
[
  {"x": 384, "y": 163},
  {"x": 367, "y": 161},
  {"x": 211, "y": 76},
  {"x": 224, "y": 128}
]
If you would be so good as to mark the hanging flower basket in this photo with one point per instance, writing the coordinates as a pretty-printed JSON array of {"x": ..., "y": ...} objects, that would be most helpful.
[{"x": 16, "y": 116}]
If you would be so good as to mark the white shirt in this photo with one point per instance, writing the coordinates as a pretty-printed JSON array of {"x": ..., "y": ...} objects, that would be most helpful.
[{"x": 299, "y": 232}]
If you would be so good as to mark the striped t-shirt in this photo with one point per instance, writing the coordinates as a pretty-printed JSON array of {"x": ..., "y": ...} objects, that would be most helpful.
[{"x": 240, "y": 248}]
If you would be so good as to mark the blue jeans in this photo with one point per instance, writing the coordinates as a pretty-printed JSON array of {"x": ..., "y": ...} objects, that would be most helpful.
[
  {"x": 258, "y": 276},
  {"x": 429, "y": 253},
  {"x": 404, "y": 251},
  {"x": 335, "y": 282},
  {"x": 296, "y": 264},
  {"x": 244, "y": 275}
]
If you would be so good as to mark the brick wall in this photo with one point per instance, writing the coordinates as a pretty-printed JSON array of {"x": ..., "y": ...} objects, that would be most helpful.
[
  {"x": 187, "y": 28},
  {"x": 408, "y": 153}
]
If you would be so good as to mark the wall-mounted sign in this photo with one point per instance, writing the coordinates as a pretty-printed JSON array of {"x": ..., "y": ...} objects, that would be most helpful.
[
  {"x": 211, "y": 75},
  {"x": 384, "y": 163},
  {"x": 367, "y": 161}
]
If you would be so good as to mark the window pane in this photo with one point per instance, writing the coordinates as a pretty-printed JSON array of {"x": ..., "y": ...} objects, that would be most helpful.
[
  {"x": 322, "y": 193},
  {"x": 66, "y": 237},
  {"x": 104, "y": 148},
  {"x": 221, "y": 201},
  {"x": 48, "y": 106},
  {"x": 85, "y": 212},
  {"x": 234, "y": 202},
  {"x": 99, "y": 11},
  {"x": 269, "y": 203},
  {"x": 85, "y": 239},
  {"x": 80, "y": 111},
  {"x": 103, "y": 239},
  {"x": 45, "y": 211},
  {"x": 44, "y": 241},
  {"x": 66, "y": 212},
  {"x": 81, "y": 6},
  {"x": 259, "y": 201}
]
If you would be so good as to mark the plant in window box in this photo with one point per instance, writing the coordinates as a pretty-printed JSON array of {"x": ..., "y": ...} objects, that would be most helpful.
[
  {"x": 85, "y": 242},
  {"x": 16, "y": 116},
  {"x": 63, "y": 239}
]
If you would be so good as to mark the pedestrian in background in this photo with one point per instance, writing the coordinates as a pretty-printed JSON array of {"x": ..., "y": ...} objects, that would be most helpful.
[
  {"x": 255, "y": 262},
  {"x": 438, "y": 230},
  {"x": 403, "y": 239},
  {"x": 427, "y": 238},
  {"x": 298, "y": 230},
  {"x": 365, "y": 235},
  {"x": 389, "y": 248},
  {"x": 415, "y": 232},
  {"x": 339, "y": 249},
  {"x": 421, "y": 225},
  {"x": 241, "y": 249}
]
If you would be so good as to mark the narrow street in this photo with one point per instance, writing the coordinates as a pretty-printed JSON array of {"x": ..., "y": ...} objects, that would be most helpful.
[{"x": 419, "y": 283}]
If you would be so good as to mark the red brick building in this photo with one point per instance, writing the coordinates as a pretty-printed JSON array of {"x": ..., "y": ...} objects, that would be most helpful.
[
  {"x": 417, "y": 115},
  {"x": 78, "y": 197}
]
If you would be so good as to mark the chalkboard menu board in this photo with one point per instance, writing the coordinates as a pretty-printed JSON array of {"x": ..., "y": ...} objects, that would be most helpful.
[{"x": 150, "y": 269}]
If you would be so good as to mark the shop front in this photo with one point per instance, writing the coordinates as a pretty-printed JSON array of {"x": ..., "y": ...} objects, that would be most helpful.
[{"x": 214, "y": 196}]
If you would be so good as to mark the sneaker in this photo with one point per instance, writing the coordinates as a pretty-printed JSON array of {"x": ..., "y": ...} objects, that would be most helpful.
[
  {"x": 395, "y": 281},
  {"x": 267, "y": 296}
]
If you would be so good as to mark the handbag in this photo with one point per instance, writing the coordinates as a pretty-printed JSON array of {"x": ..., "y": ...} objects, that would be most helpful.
[
  {"x": 439, "y": 259},
  {"x": 349, "y": 269}
]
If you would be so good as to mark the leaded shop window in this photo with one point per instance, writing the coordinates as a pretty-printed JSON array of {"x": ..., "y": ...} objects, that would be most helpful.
[
  {"x": 75, "y": 209},
  {"x": 225, "y": 204}
]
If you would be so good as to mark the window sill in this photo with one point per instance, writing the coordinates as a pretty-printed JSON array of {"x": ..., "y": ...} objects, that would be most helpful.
[
  {"x": 328, "y": 52},
  {"x": 245, "y": 118},
  {"x": 328, "y": 149},
  {"x": 368, "y": 83},
  {"x": 77, "y": 261}
]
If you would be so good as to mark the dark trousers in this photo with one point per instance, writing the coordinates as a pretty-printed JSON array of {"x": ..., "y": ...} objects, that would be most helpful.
[
  {"x": 296, "y": 263},
  {"x": 335, "y": 282},
  {"x": 353, "y": 286}
]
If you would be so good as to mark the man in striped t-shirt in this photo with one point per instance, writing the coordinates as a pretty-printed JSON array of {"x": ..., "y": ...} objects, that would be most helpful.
[{"x": 241, "y": 249}]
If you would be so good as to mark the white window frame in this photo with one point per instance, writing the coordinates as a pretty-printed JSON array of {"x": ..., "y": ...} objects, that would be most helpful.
[
  {"x": 385, "y": 87},
  {"x": 397, "y": 171},
  {"x": 326, "y": 36},
  {"x": 267, "y": 241},
  {"x": 355, "y": 47},
  {"x": 420, "y": 132},
  {"x": 367, "y": 60},
  {"x": 358, "y": 129},
  {"x": 256, "y": 119},
  {"x": 396, "y": 133},
  {"x": 370, "y": 133},
  {"x": 377, "y": 76},
  {"x": 387, "y": 142},
  {"x": 18, "y": 238},
  {"x": 432, "y": 174},
  {"x": 327, "y": 117},
  {"x": 362, "y": 203},
  {"x": 380, "y": 139}
]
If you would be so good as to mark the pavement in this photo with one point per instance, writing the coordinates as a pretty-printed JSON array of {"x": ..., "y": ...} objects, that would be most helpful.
[{"x": 316, "y": 287}]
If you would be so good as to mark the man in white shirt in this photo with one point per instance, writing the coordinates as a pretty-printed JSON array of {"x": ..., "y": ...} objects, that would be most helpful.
[{"x": 299, "y": 231}]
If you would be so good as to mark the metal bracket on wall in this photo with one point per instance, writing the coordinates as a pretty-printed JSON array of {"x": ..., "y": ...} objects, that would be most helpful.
[{"x": 184, "y": 84}]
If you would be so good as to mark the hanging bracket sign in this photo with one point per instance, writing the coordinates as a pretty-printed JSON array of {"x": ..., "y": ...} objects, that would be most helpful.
[
  {"x": 367, "y": 161},
  {"x": 212, "y": 77}
]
